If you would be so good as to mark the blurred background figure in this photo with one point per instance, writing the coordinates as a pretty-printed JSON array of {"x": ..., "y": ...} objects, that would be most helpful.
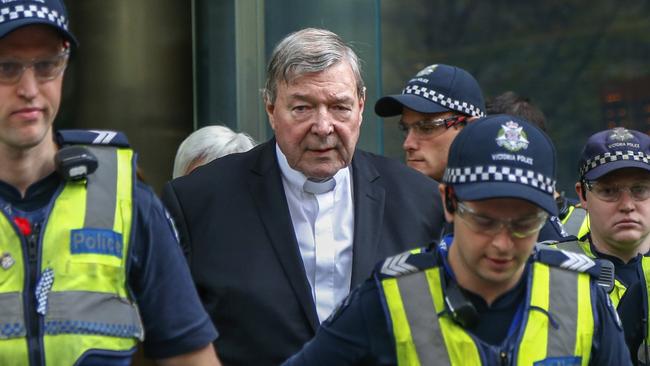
[
  {"x": 515, "y": 105},
  {"x": 572, "y": 219},
  {"x": 206, "y": 144}
]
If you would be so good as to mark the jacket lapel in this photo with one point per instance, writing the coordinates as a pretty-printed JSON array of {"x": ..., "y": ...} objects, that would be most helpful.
[
  {"x": 268, "y": 194},
  {"x": 368, "y": 215}
]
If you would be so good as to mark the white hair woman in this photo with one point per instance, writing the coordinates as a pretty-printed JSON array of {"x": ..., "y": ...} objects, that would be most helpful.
[{"x": 206, "y": 144}]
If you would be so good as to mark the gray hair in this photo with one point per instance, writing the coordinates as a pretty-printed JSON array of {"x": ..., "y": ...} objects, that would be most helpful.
[
  {"x": 209, "y": 143},
  {"x": 306, "y": 51}
]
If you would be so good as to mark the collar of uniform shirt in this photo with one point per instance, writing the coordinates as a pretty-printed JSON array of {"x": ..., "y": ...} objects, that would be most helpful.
[{"x": 296, "y": 179}]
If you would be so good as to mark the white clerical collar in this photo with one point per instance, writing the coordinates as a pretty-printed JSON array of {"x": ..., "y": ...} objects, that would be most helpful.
[{"x": 296, "y": 179}]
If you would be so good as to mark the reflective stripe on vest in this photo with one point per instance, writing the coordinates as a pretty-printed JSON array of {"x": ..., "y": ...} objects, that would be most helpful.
[
  {"x": 423, "y": 338},
  {"x": 88, "y": 306},
  {"x": 574, "y": 220},
  {"x": 583, "y": 247}
]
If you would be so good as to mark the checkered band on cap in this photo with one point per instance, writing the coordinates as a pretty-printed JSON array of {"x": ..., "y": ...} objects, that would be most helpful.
[
  {"x": 11, "y": 13},
  {"x": 610, "y": 157},
  {"x": 444, "y": 101},
  {"x": 503, "y": 174}
]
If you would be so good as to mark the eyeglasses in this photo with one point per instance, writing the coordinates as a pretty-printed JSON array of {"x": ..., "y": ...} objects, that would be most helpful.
[
  {"x": 432, "y": 127},
  {"x": 519, "y": 228},
  {"x": 613, "y": 192},
  {"x": 45, "y": 68}
]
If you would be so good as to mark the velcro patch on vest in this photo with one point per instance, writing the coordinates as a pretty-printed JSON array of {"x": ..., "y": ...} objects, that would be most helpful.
[
  {"x": 96, "y": 241},
  {"x": 560, "y": 361}
]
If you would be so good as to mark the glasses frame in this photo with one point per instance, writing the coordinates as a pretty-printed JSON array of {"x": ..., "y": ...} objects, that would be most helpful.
[
  {"x": 26, "y": 64},
  {"x": 465, "y": 212},
  {"x": 591, "y": 184},
  {"x": 419, "y": 127}
]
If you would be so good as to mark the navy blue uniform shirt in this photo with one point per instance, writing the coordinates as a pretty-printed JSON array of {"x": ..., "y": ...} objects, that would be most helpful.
[
  {"x": 359, "y": 333},
  {"x": 634, "y": 317},
  {"x": 174, "y": 319}
]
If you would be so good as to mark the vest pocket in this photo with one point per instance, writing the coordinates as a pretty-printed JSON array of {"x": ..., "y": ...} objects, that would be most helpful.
[{"x": 93, "y": 276}]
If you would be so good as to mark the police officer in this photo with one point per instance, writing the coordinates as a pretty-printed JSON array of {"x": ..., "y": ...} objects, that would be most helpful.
[
  {"x": 89, "y": 264},
  {"x": 569, "y": 220},
  {"x": 434, "y": 106},
  {"x": 480, "y": 297},
  {"x": 614, "y": 188}
]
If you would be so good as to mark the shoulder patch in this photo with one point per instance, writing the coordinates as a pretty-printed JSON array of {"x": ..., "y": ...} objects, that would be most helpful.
[
  {"x": 92, "y": 137},
  {"x": 576, "y": 262},
  {"x": 396, "y": 265},
  {"x": 600, "y": 269},
  {"x": 405, "y": 263},
  {"x": 563, "y": 258}
]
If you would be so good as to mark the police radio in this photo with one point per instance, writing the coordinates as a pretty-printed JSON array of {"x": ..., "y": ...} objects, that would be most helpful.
[
  {"x": 462, "y": 310},
  {"x": 75, "y": 162}
]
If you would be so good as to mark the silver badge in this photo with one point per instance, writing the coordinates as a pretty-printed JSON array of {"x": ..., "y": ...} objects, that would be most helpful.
[
  {"x": 621, "y": 134},
  {"x": 6, "y": 261},
  {"x": 426, "y": 71},
  {"x": 512, "y": 137}
]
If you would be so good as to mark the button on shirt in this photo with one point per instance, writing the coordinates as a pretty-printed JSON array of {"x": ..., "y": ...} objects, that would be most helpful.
[{"x": 324, "y": 227}]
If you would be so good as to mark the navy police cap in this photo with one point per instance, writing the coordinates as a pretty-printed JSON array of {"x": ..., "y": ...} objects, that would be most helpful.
[
  {"x": 436, "y": 89},
  {"x": 503, "y": 157},
  {"x": 614, "y": 149},
  {"x": 19, "y": 13}
]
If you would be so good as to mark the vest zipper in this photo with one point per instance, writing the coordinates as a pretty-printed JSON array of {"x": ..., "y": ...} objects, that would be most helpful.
[
  {"x": 33, "y": 318},
  {"x": 503, "y": 356}
]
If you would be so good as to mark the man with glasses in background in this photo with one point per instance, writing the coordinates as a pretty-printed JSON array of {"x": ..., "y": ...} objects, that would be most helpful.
[
  {"x": 435, "y": 104},
  {"x": 483, "y": 296},
  {"x": 89, "y": 263},
  {"x": 614, "y": 189}
]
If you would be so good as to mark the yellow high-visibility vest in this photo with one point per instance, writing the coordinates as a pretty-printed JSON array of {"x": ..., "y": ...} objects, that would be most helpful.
[
  {"x": 83, "y": 300},
  {"x": 414, "y": 301},
  {"x": 583, "y": 247}
]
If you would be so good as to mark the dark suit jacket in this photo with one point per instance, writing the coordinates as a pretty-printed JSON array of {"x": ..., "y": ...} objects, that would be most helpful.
[{"x": 234, "y": 223}]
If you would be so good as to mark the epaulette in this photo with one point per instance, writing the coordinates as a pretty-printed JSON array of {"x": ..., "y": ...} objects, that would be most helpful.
[
  {"x": 558, "y": 227},
  {"x": 601, "y": 269},
  {"x": 91, "y": 137},
  {"x": 411, "y": 261},
  {"x": 554, "y": 242}
]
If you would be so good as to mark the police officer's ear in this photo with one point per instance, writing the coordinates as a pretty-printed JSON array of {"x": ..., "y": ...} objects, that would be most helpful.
[
  {"x": 581, "y": 190},
  {"x": 449, "y": 201}
]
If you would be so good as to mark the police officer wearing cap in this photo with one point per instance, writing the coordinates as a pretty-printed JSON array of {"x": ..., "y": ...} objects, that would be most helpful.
[
  {"x": 484, "y": 296},
  {"x": 435, "y": 104},
  {"x": 614, "y": 189},
  {"x": 570, "y": 215},
  {"x": 89, "y": 264}
]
